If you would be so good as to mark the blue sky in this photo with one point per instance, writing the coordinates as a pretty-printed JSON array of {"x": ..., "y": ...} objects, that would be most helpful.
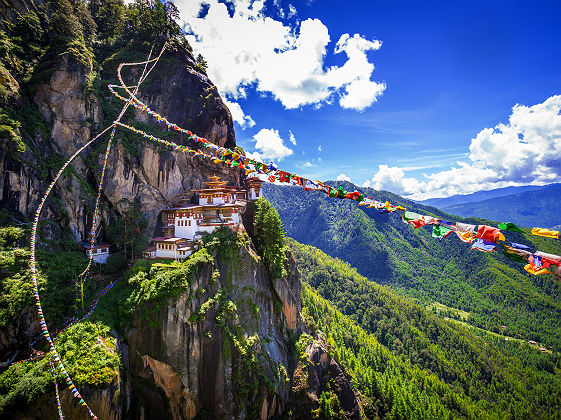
[{"x": 403, "y": 96}]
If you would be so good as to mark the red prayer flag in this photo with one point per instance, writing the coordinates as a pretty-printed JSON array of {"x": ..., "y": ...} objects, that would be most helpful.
[{"x": 489, "y": 233}]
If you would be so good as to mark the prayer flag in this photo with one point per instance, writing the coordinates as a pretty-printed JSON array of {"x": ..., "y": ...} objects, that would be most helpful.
[
  {"x": 514, "y": 257},
  {"x": 483, "y": 245},
  {"x": 409, "y": 215},
  {"x": 520, "y": 252},
  {"x": 537, "y": 262},
  {"x": 510, "y": 227},
  {"x": 545, "y": 232},
  {"x": 466, "y": 237},
  {"x": 531, "y": 270},
  {"x": 440, "y": 232},
  {"x": 429, "y": 220},
  {"x": 464, "y": 227},
  {"x": 519, "y": 246},
  {"x": 417, "y": 223},
  {"x": 551, "y": 258},
  {"x": 489, "y": 233},
  {"x": 311, "y": 185}
]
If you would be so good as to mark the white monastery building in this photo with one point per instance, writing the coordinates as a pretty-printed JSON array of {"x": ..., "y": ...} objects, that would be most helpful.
[
  {"x": 100, "y": 252},
  {"x": 219, "y": 205}
]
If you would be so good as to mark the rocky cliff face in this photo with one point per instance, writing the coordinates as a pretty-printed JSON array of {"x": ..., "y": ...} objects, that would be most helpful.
[
  {"x": 137, "y": 171},
  {"x": 319, "y": 375},
  {"x": 184, "y": 365}
]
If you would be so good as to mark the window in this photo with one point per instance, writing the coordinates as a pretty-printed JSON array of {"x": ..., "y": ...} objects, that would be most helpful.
[
  {"x": 209, "y": 199},
  {"x": 189, "y": 223},
  {"x": 257, "y": 193},
  {"x": 105, "y": 250}
]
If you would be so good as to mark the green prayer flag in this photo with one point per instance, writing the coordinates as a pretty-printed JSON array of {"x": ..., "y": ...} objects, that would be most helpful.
[
  {"x": 333, "y": 192},
  {"x": 341, "y": 192},
  {"x": 510, "y": 226},
  {"x": 409, "y": 215},
  {"x": 439, "y": 231}
]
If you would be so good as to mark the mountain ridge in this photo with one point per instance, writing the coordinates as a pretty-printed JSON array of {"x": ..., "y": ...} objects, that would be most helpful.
[
  {"x": 479, "y": 195},
  {"x": 537, "y": 208}
]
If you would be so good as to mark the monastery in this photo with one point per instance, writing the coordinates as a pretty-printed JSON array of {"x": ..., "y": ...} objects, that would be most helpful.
[{"x": 185, "y": 223}]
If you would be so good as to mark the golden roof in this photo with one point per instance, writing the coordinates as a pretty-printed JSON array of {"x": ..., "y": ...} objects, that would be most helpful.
[{"x": 215, "y": 182}]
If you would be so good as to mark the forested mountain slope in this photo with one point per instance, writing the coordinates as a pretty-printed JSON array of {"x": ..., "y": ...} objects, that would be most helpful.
[
  {"x": 494, "y": 290},
  {"x": 410, "y": 364}
]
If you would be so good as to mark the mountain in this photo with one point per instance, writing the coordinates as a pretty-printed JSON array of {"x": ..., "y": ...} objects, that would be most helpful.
[
  {"x": 408, "y": 363},
  {"x": 455, "y": 200},
  {"x": 538, "y": 208},
  {"x": 493, "y": 292}
]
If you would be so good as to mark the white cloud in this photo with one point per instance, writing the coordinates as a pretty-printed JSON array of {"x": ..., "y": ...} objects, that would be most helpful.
[
  {"x": 245, "y": 121},
  {"x": 319, "y": 148},
  {"x": 526, "y": 150},
  {"x": 309, "y": 164},
  {"x": 249, "y": 50},
  {"x": 292, "y": 138},
  {"x": 343, "y": 177},
  {"x": 254, "y": 155},
  {"x": 270, "y": 145}
]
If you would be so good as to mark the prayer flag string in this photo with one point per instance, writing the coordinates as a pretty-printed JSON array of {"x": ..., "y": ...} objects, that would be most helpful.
[{"x": 486, "y": 237}]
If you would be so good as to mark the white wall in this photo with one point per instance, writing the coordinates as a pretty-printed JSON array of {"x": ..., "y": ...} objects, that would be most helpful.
[
  {"x": 186, "y": 232},
  {"x": 100, "y": 258},
  {"x": 165, "y": 253},
  {"x": 215, "y": 200},
  {"x": 253, "y": 194}
]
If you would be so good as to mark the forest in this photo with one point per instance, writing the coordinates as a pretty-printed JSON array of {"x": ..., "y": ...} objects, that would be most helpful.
[
  {"x": 408, "y": 363},
  {"x": 496, "y": 292}
]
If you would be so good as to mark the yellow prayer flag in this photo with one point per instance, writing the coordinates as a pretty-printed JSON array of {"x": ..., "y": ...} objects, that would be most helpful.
[
  {"x": 531, "y": 270},
  {"x": 545, "y": 232},
  {"x": 465, "y": 236}
]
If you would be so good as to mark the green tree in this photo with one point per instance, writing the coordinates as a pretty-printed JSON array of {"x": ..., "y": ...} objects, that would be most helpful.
[
  {"x": 270, "y": 237},
  {"x": 127, "y": 231}
]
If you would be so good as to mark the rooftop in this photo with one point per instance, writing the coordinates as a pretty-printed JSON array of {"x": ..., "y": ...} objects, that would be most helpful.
[
  {"x": 194, "y": 206},
  {"x": 96, "y": 245},
  {"x": 168, "y": 239}
]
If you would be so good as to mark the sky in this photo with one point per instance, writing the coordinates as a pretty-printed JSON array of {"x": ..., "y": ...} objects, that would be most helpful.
[{"x": 423, "y": 99}]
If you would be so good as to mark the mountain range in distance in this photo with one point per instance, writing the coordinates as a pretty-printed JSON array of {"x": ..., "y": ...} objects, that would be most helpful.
[{"x": 529, "y": 206}]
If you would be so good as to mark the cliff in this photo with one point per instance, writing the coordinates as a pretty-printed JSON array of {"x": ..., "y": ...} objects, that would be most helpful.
[{"x": 137, "y": 171}]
